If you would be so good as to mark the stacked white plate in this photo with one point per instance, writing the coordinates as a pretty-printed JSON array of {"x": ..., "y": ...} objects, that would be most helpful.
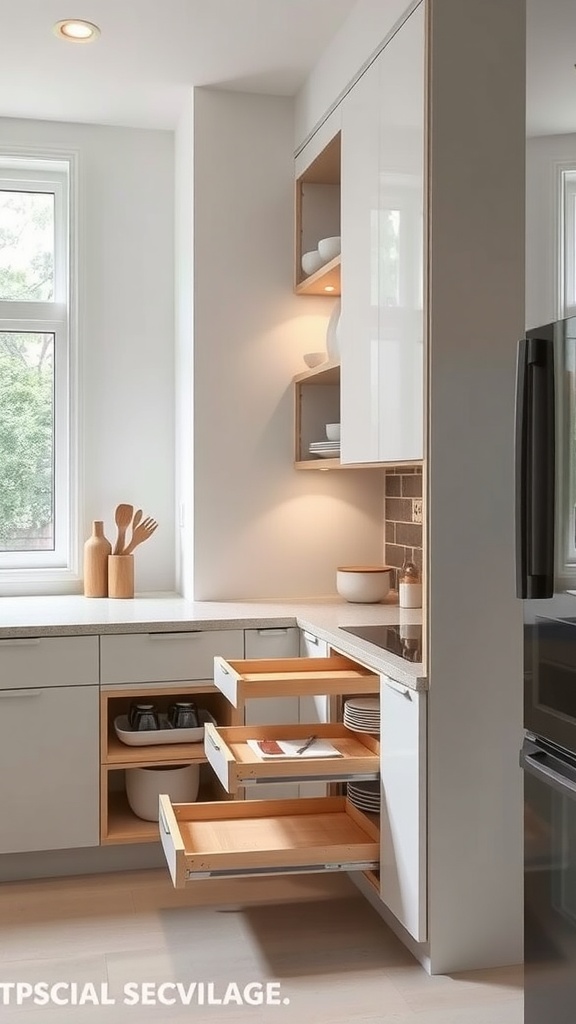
[
  {"x": 362, "y": 714},
  {"x": 365, "y": 796},
  {"x": 325, "y": 449}
]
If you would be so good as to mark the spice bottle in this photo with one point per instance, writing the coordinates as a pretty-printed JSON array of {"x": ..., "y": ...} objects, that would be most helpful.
[{"x": 410, "y": 586}]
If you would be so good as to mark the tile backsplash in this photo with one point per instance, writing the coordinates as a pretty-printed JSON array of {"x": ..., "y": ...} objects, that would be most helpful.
[{"x": 403, "y": 536}]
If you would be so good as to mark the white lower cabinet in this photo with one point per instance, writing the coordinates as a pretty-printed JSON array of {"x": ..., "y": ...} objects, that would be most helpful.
[
  {"x": 403, "y": 808},
  {"x": 49, "y": 743}
]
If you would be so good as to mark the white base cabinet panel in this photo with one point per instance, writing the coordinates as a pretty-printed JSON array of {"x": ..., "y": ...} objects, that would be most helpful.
[
  {"x": 403, "y": 810},
  {"x": 49, "y": 765}
]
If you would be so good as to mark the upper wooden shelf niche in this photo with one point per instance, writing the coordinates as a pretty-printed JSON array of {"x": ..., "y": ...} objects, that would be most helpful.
[{"x": 318, "y": 216}]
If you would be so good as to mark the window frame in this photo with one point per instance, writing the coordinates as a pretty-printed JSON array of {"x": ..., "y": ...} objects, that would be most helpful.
[
  {"x": 29, "y": 572},
  {"x": 566, "y": 276}
]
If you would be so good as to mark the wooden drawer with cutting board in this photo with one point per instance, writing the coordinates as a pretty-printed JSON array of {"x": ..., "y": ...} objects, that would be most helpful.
[{"x": 233, "y": 757}]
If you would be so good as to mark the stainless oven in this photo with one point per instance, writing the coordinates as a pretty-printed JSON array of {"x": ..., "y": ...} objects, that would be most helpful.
[
  {"x": 550, "y": 679},
  {"x": 549, "y": 884}
]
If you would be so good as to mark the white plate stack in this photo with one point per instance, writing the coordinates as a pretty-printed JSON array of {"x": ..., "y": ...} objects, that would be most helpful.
[
  {"x": 365, "y": 796},
  {"x": 362, "y": 714},
  {"x": 324, "y": 449}
]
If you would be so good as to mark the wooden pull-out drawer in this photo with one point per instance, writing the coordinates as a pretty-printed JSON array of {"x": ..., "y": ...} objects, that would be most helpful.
[
  {"x": 237, "y": 765},
  {"x": 291, "y": 677},
  {"x": 265, "y": 837}
]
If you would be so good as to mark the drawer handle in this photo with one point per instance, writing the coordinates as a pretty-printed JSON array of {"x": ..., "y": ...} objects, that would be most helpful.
[
  {"x": 312, "y": 639},
  {"x": 398, "y": 688},
  {"x": 28, "y": 642},
  {"x": 278, "y": 631},
  {"x": 224, "y": 671},
  {"x": 212, "y": 741},
  {"x": 164, "y": 824},
  {"x": 173, "y": 636},
  {"x": 20, "y": 693}
]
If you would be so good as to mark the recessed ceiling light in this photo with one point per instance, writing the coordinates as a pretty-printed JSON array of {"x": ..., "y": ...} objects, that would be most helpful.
[{"x": 76, "y": 31}]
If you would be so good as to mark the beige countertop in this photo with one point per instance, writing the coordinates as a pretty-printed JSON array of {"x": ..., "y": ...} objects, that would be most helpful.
[{"x": 75, "y": 615}]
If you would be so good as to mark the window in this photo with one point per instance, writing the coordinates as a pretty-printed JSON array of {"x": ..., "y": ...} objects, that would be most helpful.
[
  {"x": 567, "y": 276},
  {"x": 37, "y": 506}
]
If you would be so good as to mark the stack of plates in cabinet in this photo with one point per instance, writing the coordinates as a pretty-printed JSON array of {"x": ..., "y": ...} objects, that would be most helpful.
[
  {"x": 365, "y": 796},
  {"x": 362, "y": 714},
  {"x": 324, "y": 449}
]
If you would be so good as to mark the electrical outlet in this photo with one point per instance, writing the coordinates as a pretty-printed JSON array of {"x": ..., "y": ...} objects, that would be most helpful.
[{"x": 417, "y": 510}]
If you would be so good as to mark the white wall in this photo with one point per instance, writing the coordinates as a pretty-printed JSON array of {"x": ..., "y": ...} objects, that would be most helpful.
[
  {"x": 364, "y": 29},
  {"x": 260, "y": 528},
  {"x": 126, "y": 334},
  {"x": 543, "y": 157}
]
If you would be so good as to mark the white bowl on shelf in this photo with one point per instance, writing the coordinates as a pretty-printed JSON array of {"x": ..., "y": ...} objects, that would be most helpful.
[
  {"x": 333, "y": 431},
  {"x": 329, "y": 248},
  {"x": 311, "y": 262},
  {"x": 313, "y": 359},
  {"x": 363, "y": 584},
  {"x": 144, "y": 786}
]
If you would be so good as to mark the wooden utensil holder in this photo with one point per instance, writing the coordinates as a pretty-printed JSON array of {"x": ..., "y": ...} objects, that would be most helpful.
[{"x": 120, "y": 575}]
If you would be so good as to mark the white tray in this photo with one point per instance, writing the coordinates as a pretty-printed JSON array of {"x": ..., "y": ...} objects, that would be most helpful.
[{"x": 165, "y": 734}]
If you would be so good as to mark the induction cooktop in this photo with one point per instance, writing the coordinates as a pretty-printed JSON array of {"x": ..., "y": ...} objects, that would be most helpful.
[{"x": 404, "y": 640}]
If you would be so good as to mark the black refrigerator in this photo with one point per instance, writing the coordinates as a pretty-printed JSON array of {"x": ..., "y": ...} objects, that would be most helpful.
[{"x": 546, "y": 582}]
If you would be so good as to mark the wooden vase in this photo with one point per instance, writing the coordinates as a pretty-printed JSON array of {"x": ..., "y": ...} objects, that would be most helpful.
[
  {"x": 121, "y": 575},
  {"x": 96, "y": 551}
]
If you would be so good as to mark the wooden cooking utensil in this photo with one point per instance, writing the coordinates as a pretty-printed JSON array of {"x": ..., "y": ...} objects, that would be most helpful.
[
  {"x": 123, "y": 518},
  {"x": 141, "y": 533},
  {"x": 135, "y": 521}
]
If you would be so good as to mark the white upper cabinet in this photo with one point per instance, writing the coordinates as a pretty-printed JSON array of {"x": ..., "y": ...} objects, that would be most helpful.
[{"x": 382, "y": 214}]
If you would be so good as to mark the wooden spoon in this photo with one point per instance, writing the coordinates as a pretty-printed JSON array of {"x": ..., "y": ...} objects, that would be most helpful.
[
  {"x": 135, "y": 522},
  {"x": 123, "y": 518}
]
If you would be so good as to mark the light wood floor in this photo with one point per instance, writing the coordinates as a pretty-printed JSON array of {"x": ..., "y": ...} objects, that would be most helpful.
[{"x": 336, "y": 961}]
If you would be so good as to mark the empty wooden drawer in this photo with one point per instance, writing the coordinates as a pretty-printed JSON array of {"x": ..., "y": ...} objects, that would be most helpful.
[
  {"x": 236, "y": 764},
  {"x": 291, "y": 677},
  {"x": 265, "y": 837}
]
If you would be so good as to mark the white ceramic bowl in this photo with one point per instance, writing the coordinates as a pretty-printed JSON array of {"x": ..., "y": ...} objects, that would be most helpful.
[
  {"x": 329, "y": 247},
  {"x": 363, "y": 584},
  {"x": 311, "y": 262},
  {"x": 144, "y": 785},
  {"x": 313, "y": 359},
  {"x": 333, "y": 431}
]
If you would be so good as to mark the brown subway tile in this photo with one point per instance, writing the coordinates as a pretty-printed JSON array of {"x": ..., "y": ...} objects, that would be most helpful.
[
  {"x": 398, "y": 510},
  {"x": 390, "y": 533},
  {"x": 395, "y": 555},
  {"x": 412, "y": 486},
  {"x": 393, "y": 485},
  {"x": 418, "y": 558},
  {"x": 409, "y": 534}
]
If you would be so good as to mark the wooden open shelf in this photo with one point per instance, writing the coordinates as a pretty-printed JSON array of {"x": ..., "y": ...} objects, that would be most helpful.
[
  {"x": 121, "y": 825},
  {"x": 120, "y": 755},
  {"x": 325, "y": 281}
]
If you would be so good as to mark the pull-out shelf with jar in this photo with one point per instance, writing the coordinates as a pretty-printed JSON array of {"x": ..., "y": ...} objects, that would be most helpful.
[{"x": 257, "y": 837}]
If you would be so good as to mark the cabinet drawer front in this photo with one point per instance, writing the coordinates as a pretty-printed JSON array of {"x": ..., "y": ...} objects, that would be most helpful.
[
  {"x": 272, "y": 642},
  {"x": 48, "y": 661},
  {"x": 263, "y": 837},
  {"x": 155, "y": 657},
  {"x": 291, "y": 677},
  {"x": 236, "y": 764}
]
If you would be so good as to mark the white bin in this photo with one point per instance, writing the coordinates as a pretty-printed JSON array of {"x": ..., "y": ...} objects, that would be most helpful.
[{"x": 144, "y": 785}]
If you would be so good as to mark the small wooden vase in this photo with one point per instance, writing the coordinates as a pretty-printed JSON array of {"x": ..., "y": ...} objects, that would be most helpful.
[
  {"x": 120, "y": 575},
  {"x": 96, "y": 551}
]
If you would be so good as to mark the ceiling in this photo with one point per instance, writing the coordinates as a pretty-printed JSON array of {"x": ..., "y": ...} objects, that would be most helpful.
[{"x": 151, "y": 51}]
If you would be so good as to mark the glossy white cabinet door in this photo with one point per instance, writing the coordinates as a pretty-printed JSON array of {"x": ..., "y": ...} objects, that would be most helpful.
[
  {"x": 49, "y": 765},
  {"x": 403, "y": 810},
  {"x": 382, "y": 322},
  {"x": 358, "y": 328}
]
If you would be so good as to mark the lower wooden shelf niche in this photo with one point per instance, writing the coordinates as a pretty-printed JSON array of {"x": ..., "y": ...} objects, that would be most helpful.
[
  {"x": 243, "y": 838},
  {"x": 120, "y": 824}
]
